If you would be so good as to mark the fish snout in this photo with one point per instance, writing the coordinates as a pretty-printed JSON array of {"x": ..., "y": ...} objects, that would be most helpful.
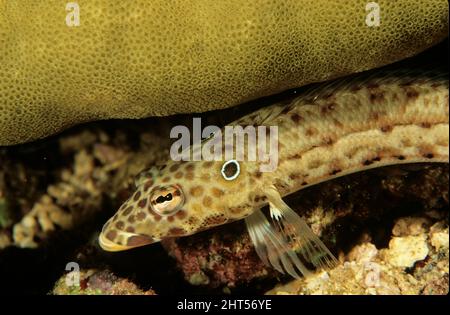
[{"x": 113, "y": 239}]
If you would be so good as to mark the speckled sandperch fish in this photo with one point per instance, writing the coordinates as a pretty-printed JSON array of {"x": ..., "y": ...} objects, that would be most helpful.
[{"x": 332, "y": 130}]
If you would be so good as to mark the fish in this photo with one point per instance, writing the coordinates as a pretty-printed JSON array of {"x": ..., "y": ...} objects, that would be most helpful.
[{"x": 330, "y": 130}]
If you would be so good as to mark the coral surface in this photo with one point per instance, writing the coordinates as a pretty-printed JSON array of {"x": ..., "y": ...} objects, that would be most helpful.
[{"x": 134, "y": 59}]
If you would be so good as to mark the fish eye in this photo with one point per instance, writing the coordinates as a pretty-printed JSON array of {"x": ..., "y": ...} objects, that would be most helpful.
[
  {"x": 167, "y": 200},
  {"x": 230, "y": 169}
]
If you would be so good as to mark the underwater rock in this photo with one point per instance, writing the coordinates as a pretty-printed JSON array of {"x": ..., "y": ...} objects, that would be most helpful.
[
  {"x": 96, "y": 282},
  {"x": 406, "y": 251},
  {"x": 439, "y": 236},
  {"x": 363, "y": 253},
  {"x": 139, "y": 59},
  {"x": 410, "y": 226},
  {"x": 222, "y": 257},
  {"x": 359, "y": 275}
]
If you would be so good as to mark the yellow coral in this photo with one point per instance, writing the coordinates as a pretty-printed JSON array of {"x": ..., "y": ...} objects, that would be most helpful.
[{"x": 132, "y": 59}]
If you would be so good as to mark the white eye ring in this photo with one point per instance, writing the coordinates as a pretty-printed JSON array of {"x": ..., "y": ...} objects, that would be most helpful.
[{"x": 226, "y": 169}]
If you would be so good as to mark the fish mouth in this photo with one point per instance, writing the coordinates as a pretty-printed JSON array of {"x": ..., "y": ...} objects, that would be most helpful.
[{"x": 132, "y": 241}]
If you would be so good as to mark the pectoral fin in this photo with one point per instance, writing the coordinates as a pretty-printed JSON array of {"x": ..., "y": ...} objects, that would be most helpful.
[
  {"x": 271, "y": 247},
  {"x": 278, "y": 242}
]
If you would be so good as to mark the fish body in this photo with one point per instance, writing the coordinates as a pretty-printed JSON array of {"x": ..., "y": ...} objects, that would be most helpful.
[{"x": 332, "y": 130}]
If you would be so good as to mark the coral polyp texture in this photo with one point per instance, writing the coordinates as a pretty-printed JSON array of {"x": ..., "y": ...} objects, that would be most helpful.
[{"x": 133, "y": 59}]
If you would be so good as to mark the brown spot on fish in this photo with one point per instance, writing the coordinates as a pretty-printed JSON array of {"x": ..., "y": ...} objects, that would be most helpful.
[
  {"x": 177, "y": 231},
  {"x": 129, "y": 229},
  {"x": 137, "y": 240},
  {"x": 296, "y": 118},
  {"x": 142, "y": 203},
  {"x": 368, "y": 162},
  {"x": 128, "y": 211},
  {"x": 181, "y": 214},
  {"x": 425, "y": 125},
  {"x": 137, "y": 195},
  {"x": 328, "y": 141},
  {"x": 190, "y": 167},
  {"x": 131, "y": 218},
  {"x": 376, "y": 97},
  {"x": 174, "y": 168},
  {"x": 148, "y": 184},
  {"x": 120, "y": 225},
  {"x": 386, "y": 128},
  {"x": 236, "y": 210},
  {"x": 412, "y": 94},
  {"x": 294, "y": 157},
  {"x": 207, "y": 201},
  {"x": 310, "y": 131},
  {"x": 166, "y": 179},
  {"x": 111, "y": 235},
  {"x": 196, "y": 191},
  {"x": 216, "y": 192},
  {"x": 427, "y": 151},
  {"x": 207, "y": 164},
  {"x": 140, "y": 216},
  {"x": 189, "y": 176},
  {"x": 178, "y": 175}
]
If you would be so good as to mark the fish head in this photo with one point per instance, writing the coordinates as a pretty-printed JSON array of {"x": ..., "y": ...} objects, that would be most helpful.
[{"x": 178, "y": 199}]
